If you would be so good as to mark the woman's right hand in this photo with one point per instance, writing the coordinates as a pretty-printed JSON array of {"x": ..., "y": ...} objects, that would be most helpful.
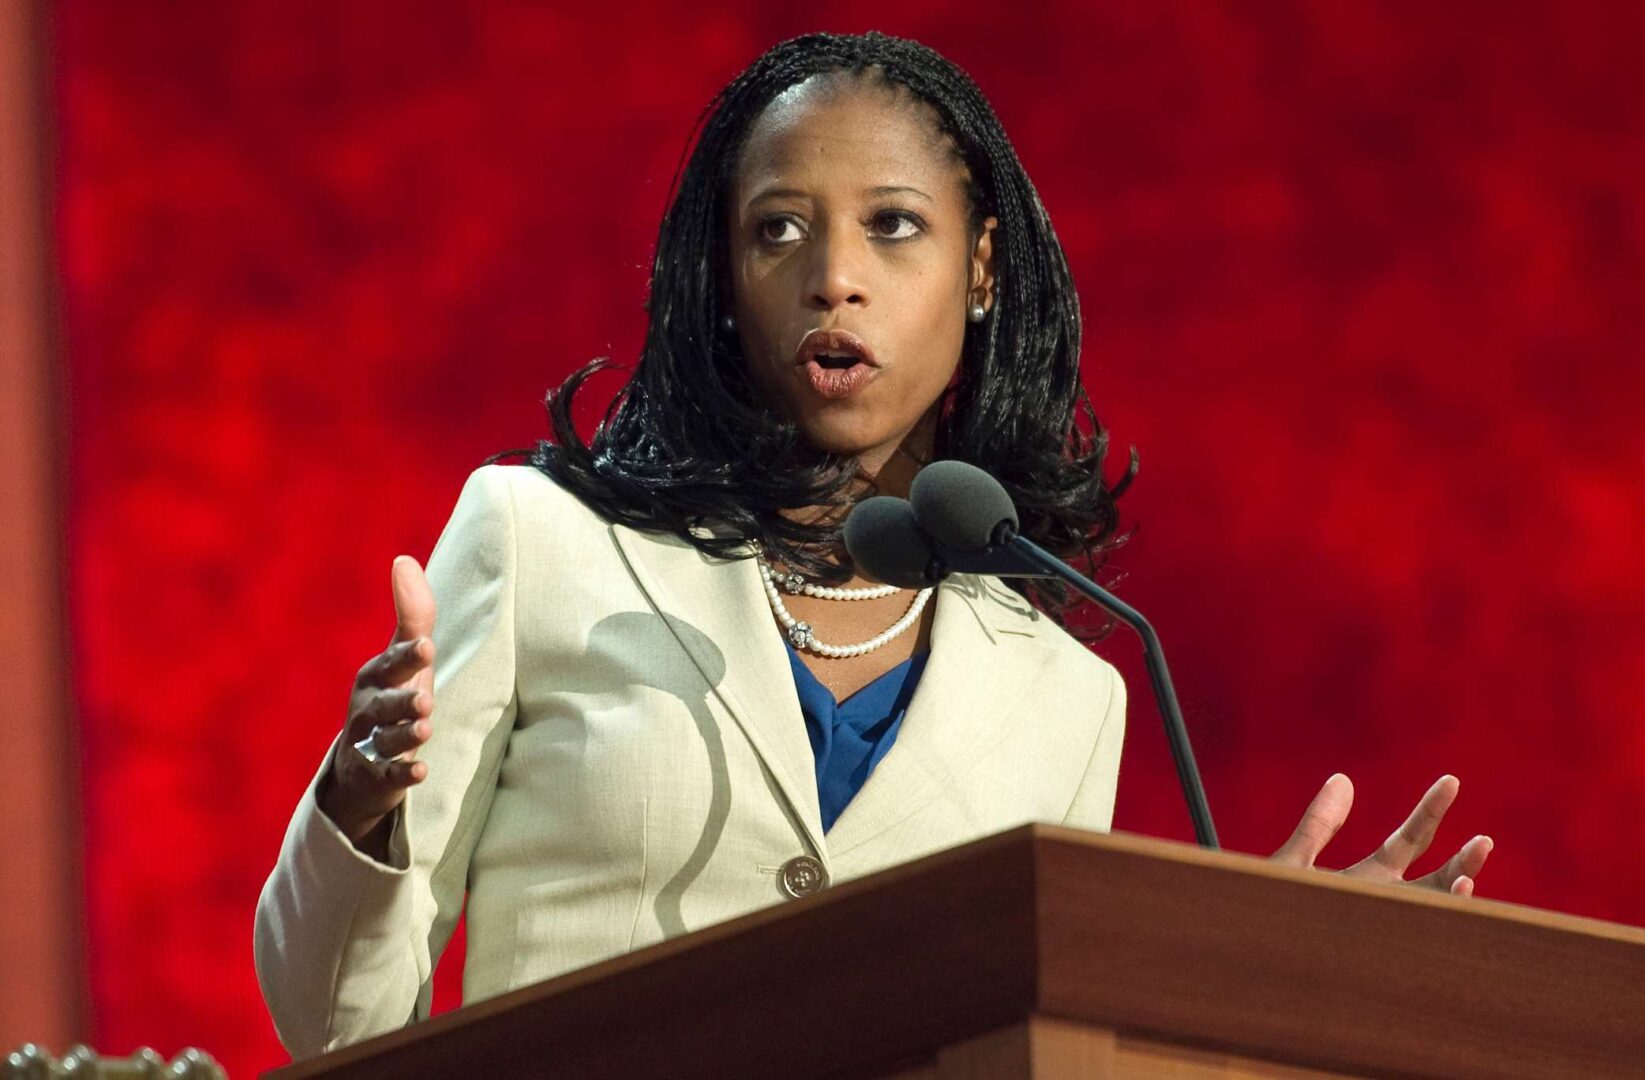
[{"x": 391, "y": 704}]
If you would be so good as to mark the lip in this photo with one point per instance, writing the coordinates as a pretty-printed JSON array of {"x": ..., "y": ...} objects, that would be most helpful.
[
  {"x": 833, "y": 341},
  {"x": 835, "y": 383}
]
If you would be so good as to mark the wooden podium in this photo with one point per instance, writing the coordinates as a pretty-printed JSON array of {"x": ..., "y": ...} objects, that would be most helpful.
[{"x": 1046, "y": 952}]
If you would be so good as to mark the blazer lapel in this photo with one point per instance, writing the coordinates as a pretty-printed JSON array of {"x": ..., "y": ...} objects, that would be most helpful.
[
  {"x": 738, "y": 652},
  {"x": 984, "y": 656}
]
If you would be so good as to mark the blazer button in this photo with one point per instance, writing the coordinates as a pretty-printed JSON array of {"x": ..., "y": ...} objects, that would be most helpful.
[{"x": 802, "y": 875}]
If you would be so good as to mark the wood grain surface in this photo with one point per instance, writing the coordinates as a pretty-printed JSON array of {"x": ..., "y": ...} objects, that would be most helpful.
[{"x": 1043, "y": 943}]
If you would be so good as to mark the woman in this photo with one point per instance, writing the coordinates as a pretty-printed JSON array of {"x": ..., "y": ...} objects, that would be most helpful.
[{"x": 654, "y": 707}]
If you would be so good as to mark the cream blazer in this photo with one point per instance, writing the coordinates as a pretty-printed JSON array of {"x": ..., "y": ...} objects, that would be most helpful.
[{"x": 619, "y": 757}]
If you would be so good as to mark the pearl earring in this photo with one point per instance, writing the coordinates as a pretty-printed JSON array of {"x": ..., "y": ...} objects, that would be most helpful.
[
  {"x": 728, "y": 324},
  {"x": 976, "y": 313}
]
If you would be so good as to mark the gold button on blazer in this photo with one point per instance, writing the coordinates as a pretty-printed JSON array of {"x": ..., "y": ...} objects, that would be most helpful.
[{"x": 619, "y": 757}]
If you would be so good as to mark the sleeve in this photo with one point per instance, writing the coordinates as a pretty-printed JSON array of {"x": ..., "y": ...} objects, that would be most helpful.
[
  {"x": 345, "y": 945},
  {"x": 1093, "y": 805}
]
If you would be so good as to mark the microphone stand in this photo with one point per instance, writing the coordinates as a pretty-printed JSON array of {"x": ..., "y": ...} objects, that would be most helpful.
[{"x": 1018, "y": 556}]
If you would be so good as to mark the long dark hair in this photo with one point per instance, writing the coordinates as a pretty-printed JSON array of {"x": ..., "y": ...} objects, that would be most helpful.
[{"x": 688, "y": 442}]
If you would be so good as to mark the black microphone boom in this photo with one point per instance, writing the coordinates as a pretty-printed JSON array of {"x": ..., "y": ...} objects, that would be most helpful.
[
  {"x": 962, "y": 521},
  {"x": 1165, "y": 695}
]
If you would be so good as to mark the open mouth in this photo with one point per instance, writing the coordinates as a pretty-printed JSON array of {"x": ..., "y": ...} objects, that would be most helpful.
[{"x": 835, "y": 362}]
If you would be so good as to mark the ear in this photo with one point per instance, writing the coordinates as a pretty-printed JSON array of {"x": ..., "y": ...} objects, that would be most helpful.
[{"x": 981, "y": 287}]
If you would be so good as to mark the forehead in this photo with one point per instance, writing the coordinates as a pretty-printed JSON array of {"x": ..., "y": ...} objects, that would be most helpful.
[{"x": 841, "y": 129}]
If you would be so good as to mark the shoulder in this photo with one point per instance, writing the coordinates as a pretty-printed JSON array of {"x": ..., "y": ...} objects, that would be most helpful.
[
  {"x": 510, "y": 517},
  {"x": 1011, "y": 613},
  {"x": 535, "y": 503}
]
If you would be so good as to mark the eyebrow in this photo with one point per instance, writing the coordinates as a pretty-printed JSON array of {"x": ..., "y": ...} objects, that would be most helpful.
[{"x": 878, "y": 191}]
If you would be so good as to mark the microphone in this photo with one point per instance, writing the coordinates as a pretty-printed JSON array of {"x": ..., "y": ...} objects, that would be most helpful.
[
  {"x": 959, "y": 519},
  {"x": 887, "y": 544},
  {"x": 962, "y": 507}
]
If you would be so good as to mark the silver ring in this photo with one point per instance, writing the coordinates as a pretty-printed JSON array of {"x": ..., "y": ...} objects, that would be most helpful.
[{"x": 367, "y": 748}]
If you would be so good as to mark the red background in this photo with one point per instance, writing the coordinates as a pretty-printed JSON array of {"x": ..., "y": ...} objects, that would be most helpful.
[{"x": 1363, "y": 283}]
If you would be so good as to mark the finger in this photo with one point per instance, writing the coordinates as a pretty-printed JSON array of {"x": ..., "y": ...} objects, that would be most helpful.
[
  {"x": 1466, "y": 863},
  {"x": 404, "y": 774},
  {"x": 1462, "y": 886},
  {"x": 413, "y": 600},
  {"x": 1411, "y": 839},
  {"x": 363, "y": 791},
  {"x": 403, "y": 738},
  {"x": 1319, "y": 823},
  {"x": 396, "y": 664},
  {"x": 381, "y": 708},
  {"x": 377, "y": 789}
]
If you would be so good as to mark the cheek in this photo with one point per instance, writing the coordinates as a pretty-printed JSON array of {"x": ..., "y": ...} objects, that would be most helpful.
[
  {"x": 937, "y": 335},
  {"x": 762, "y": 321}
]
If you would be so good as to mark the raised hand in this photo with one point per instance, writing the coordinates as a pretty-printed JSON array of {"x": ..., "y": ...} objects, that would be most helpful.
[
  {"x": 1389, "y": 862},
  {"x": 391, "y": 705}
]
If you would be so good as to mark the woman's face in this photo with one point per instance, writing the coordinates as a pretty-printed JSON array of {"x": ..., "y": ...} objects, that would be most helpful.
[{"x": 852, "y": 262}]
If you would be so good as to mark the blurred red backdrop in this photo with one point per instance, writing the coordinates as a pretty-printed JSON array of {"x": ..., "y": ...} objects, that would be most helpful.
[{"x": 1363, "y": 282}]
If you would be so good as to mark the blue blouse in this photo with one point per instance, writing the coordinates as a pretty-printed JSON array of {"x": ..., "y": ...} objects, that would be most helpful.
[{"x": 848, "y": 738}]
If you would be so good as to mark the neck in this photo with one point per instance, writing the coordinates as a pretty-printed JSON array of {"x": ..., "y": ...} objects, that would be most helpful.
[
  {"x": 891, "y": 472},
  {"x": 882, "y": 470}
]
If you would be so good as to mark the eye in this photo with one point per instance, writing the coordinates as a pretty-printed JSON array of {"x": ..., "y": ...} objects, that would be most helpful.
[
  {"x": 897, "y": 225},
  {"x": 775, "y": 230}
]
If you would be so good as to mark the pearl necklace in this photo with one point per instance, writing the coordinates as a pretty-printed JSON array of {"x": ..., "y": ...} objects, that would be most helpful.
[
  {"x": 799, "y": 633},
  {"x": 795, "y": 585}
]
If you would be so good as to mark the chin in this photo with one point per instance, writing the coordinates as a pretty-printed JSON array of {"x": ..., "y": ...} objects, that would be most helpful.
[{"x": 848, "y": 436}]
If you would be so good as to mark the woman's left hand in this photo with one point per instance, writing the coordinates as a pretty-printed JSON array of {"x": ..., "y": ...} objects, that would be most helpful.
[{"x": 1329, "y": 810}]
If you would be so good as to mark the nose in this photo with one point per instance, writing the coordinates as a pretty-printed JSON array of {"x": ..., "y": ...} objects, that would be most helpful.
[{"x": 839, "y": 270}]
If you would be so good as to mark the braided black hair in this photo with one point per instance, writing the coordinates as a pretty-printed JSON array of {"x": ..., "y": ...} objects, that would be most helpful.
[{"x": 688, "y": 441}]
